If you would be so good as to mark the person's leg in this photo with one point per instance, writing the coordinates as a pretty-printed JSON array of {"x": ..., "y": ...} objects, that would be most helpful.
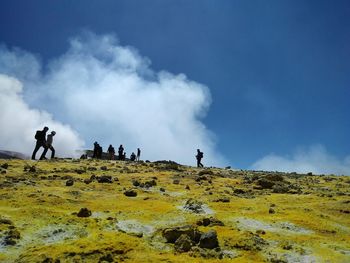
[
  {"x": 42, "y": 157},
  {"x": 52, "y": 151},
  {"x": 200, "y": 163},
  {"x": 37, "y": 146}
]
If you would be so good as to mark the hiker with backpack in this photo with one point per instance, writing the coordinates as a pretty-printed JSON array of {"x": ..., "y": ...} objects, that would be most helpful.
[
  {"x": 40, "y": 137},
  {"x": 111, "y": 152},
  {"x": 96, "y": 150},
  {"x": 199, "y": 157},
  {"x": 120, "y": 152}
]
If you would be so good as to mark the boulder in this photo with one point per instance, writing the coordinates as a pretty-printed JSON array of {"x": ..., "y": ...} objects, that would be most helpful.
[
  {"x": 87, "y": 181},
  {"x": 209, "y": 240},
  {"x": 183, "y": 243},
  {"x": 150, "y": 183},
  {"x": 104, "y": 179},
  {"x": 69, "y": 182},
  {"x": 172, "y": 234},
  {"x": 130, "y": 193},
  {"x": 211, "y": 221},
  {"x": 84, "y": 212},
  {"x": 135, "y": 183}
]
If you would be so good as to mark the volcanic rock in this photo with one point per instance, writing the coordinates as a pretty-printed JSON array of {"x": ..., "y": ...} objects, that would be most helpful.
[
  {"x": 211, "y": 221},
  {"x": 172, "y": 234},
  {"x": 11, "y": 237},
  {"x": 130, "y": 193},
  {"x": 183, "y": 243},
  {"x": 84, "y": 212},
  {"x": 209, "y": 240},
  {"x": 104, "y": 179},
  {"x": 69, "y": 182},
  {"x": 194, "y": 206}
]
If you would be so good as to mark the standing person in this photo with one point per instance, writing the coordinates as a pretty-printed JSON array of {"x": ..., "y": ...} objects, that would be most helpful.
[
  {"x": 199, "y": 157},
  {"x": 49, "y": 142},
  {"x": 99, "y": 152},
  {"x": 111, "y": 152},
  {"x": 96, "y": 149},
  {"x": 138, "y": 154},
  {"x": 120, "y": 152},
  {"x": 40, "y": 137}
]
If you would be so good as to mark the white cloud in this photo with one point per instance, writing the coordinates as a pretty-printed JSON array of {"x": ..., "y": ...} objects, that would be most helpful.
[
  {"x": 19, "y": 122},
  {"x": 109, "y": 93},
  {"x": 315, "y": 159}
]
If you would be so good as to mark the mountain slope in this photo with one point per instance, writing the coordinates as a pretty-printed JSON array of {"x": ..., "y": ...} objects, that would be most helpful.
[{"x": 112, "y": 211}]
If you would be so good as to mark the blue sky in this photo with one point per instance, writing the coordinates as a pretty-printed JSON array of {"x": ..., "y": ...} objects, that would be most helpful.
[{"x": 277, "y": 71}]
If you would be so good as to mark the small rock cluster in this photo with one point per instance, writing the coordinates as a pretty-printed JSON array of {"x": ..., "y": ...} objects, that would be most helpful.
[
  {"x": 194, "y": 206},
  {"x": 146, "y": 184},
  {"x": 188, "y": 237},
  {"x": 11, "y": 235}
]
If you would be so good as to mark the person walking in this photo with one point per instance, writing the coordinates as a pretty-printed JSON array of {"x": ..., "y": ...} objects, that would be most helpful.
[
  {"x": 40, "y": 137},
  {"x": 199, "y": 157},
  {"x": 49, "y": 142},
  {"x": 138, "y": 154}
]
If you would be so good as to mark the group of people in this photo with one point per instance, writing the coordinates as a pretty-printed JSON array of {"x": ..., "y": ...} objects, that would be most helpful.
[
  {"x": 97, "y": 153},
  {"x": 46, "y": 142}
]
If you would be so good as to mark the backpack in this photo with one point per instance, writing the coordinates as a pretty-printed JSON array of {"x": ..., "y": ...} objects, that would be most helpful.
[{"x": 37, "y": 135}]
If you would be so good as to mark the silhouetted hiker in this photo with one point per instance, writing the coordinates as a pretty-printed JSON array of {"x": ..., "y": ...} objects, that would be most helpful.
[
  {"x": 138, "y": 154},
  {"x": 199, "y": 157},
  {"x": 132, "y": 157},
  {"x": 96, "y": 150},
  {"x": 40, "y": 137},
  {"x": 120, "y": 152},
  {"x": 111, "y": 152},
  {"x": 99, "y": 152},
  {"x": 49, "y": 142}
]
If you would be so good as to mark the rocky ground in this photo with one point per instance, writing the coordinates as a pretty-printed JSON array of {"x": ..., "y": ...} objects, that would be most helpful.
[{"x": 112, "y": 211}]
